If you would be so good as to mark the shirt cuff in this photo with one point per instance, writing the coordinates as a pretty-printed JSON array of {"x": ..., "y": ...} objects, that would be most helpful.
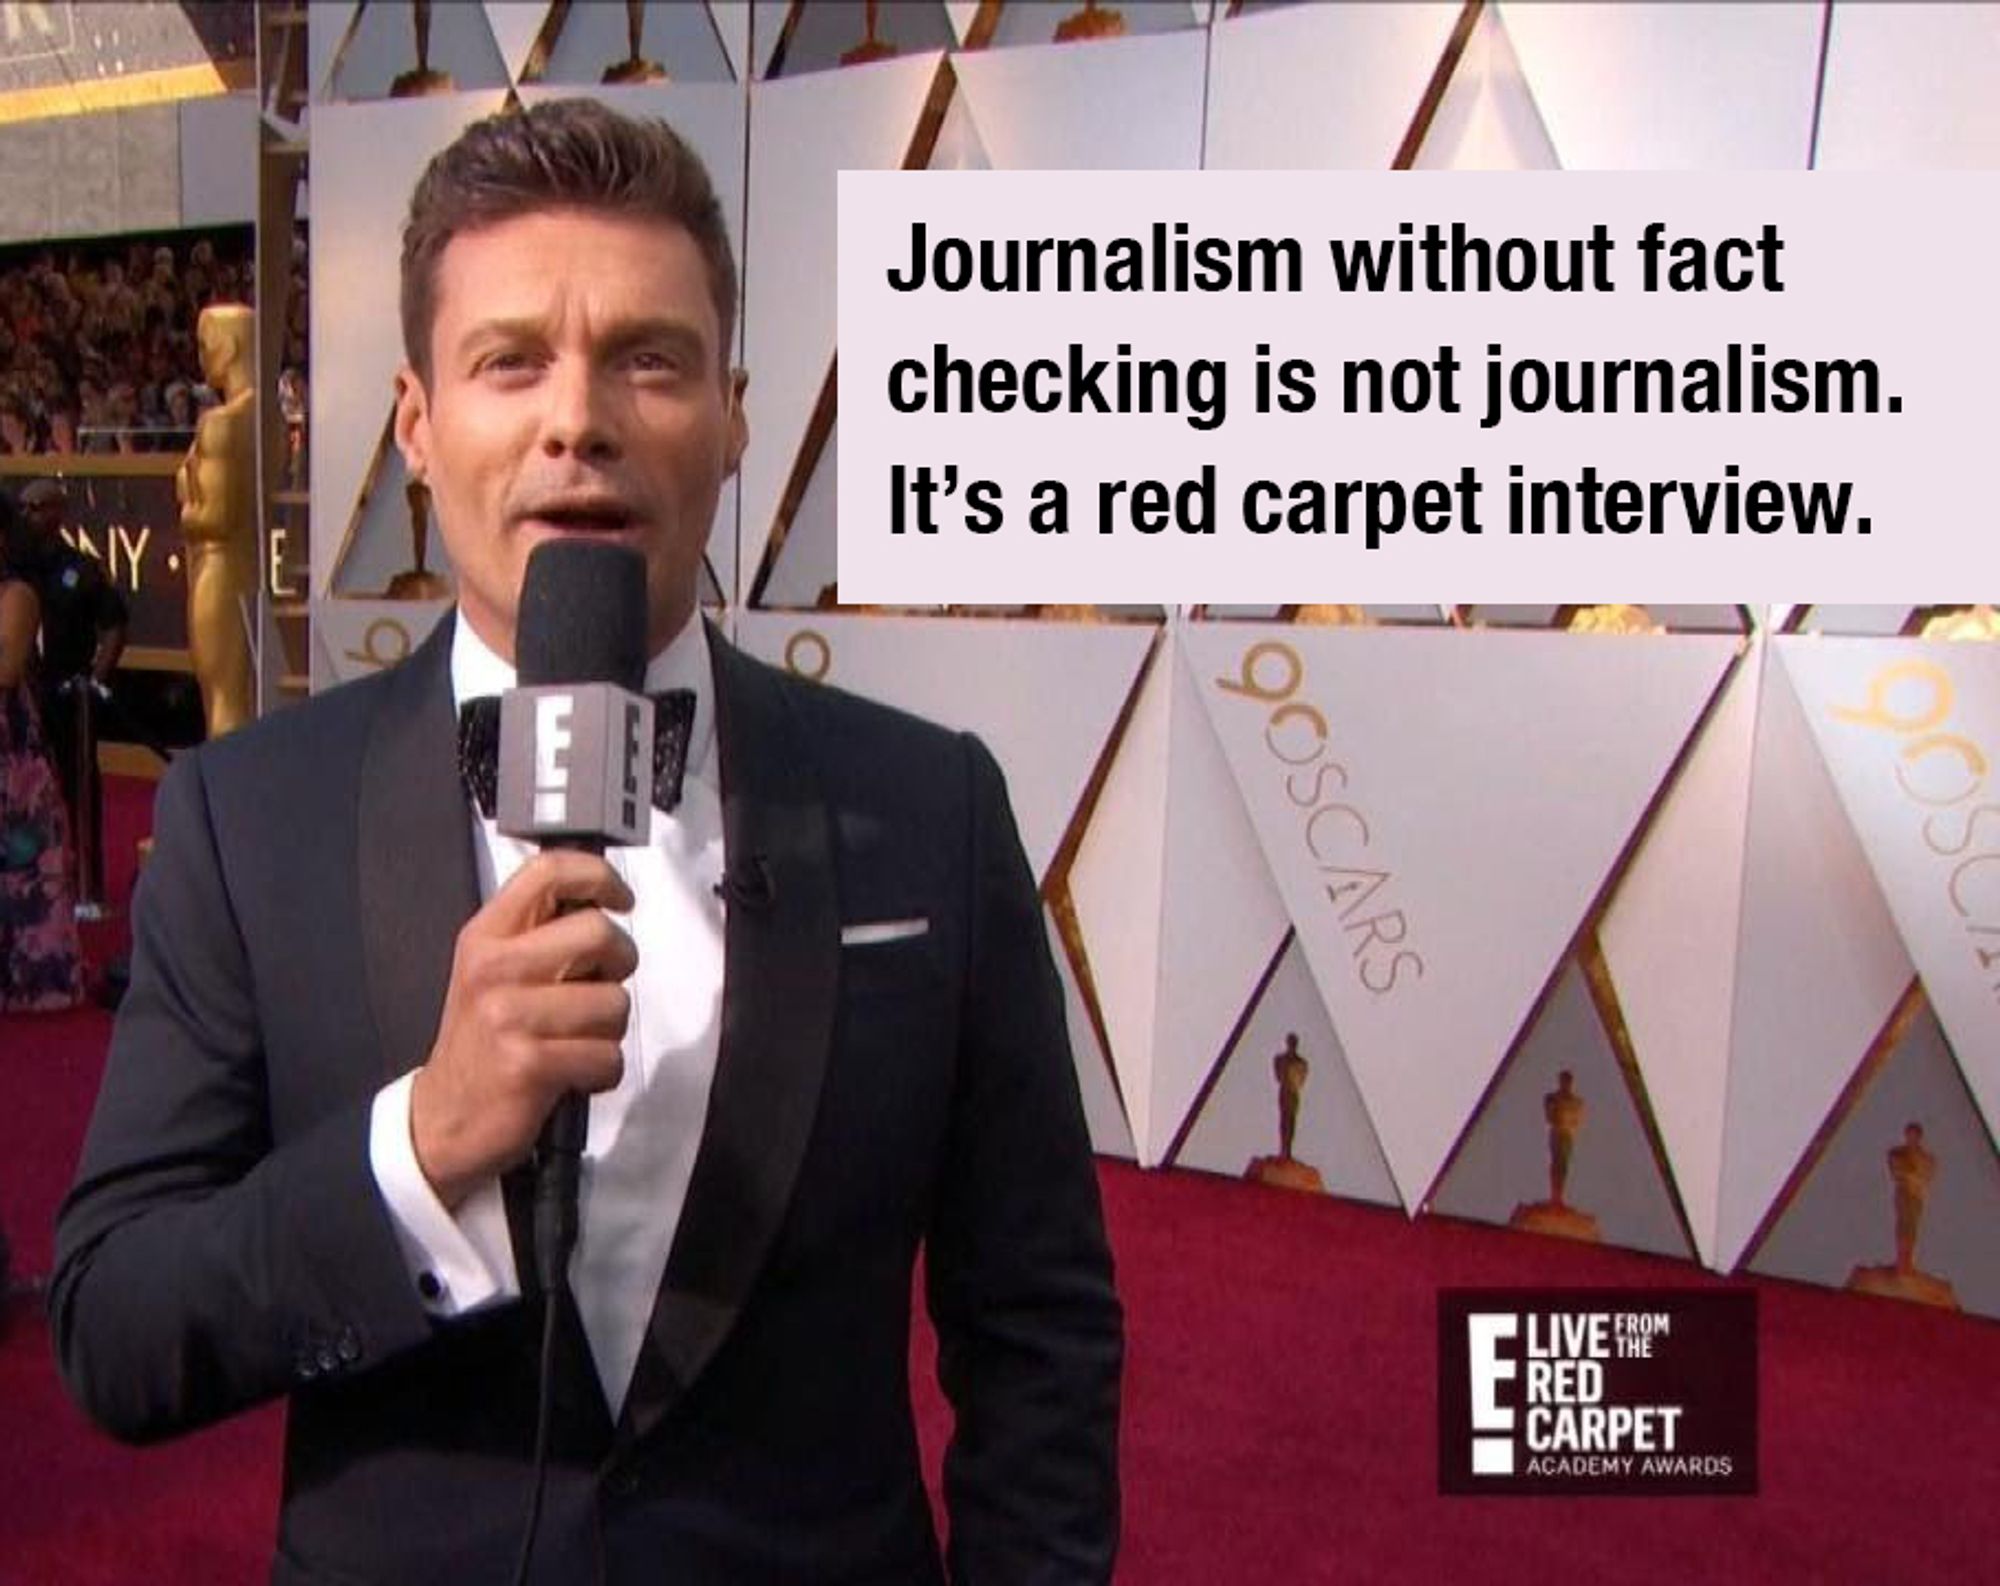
[{"x": 461, "y": 1262}]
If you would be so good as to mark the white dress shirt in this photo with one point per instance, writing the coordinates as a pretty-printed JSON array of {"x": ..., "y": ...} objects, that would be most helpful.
[{"x": 644, "y": 1134}]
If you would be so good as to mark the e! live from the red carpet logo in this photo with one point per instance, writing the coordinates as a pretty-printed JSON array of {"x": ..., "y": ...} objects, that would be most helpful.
[{"x": 1610, "y": 1392}]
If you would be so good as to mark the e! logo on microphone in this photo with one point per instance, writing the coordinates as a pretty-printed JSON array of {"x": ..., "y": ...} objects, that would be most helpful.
[
  {"x": 552, "y": 740},
  {"x": 1605, "y": 1392}
]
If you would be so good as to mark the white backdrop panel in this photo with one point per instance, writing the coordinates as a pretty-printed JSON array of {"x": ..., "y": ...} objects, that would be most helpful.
[
  {"x": 802, "y": 131},
  {"x": 1132, "y": 105},
  {"x": 1819, "y": 967},
  {"x": 1669, "y": 936},
  {"x": 1910, "y": 730},
  {"x": 1321, "y": 87},
  {"x": 1043, "y": 695},
  {"x": 1911, "y": 87},
  {"x": 366, "y": 158},
  {"x": 1439, "y": 810},
  {"x": 1672, "y": 85},
  {"x": 1487, "y": 119}
]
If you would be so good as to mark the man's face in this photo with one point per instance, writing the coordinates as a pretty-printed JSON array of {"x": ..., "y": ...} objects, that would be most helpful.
[{"x": 578, "y": 386}]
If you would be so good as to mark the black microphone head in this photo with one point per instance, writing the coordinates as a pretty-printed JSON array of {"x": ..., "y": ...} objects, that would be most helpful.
[{"x": 583, "y": 615}]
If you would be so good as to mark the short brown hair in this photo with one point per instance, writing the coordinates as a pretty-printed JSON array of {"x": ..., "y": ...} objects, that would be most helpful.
[{"x": 560, "y": 154}]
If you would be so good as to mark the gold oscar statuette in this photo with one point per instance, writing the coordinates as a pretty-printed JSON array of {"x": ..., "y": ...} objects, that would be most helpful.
[
  {"x": 1564, "y": 1109},
  {"x": 1962, "y": 622},
  {"x": 1285, "y": 1171},
  {"x": 1090, "y": 23},
  {"x": 216, "y": 486},
  {"x": 418, "y": 582},
  {"x": 635, "y": 68},
  {"x": 1612, "y": 619},
  {"x": 421, "y": 81},
  {"x": 871, "y": 47},
  {"x": 1912, "y": 1169}
]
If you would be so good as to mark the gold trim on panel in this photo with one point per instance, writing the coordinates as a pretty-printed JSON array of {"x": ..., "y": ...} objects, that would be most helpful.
[
  {"x": 1434, "y": 91},
  {"x": 1056, "y": 888},
  {"x": 1610, "y": 1013},
  {"x": 804, "y": 463}
]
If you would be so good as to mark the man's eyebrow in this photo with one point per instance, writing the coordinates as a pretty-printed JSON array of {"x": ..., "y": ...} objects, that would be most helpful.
[{"x": 624, "y": 335}]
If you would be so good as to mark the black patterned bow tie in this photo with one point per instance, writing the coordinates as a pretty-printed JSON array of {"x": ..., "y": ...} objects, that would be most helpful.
[{"x": 479, "y": 748}]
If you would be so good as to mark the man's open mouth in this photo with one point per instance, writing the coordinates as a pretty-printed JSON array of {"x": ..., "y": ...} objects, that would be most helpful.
[{"x": 585, "y": 517}]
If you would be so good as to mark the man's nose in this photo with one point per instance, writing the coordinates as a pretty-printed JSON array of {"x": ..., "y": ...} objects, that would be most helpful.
[{"x": 578, "y": 420}]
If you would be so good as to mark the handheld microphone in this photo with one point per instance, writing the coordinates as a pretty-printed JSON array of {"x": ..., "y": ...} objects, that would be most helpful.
[{"x": 575, "y": 771}]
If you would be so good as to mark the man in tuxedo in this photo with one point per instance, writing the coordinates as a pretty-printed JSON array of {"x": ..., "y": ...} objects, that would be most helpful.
[{"x": 827, "y": 1033}]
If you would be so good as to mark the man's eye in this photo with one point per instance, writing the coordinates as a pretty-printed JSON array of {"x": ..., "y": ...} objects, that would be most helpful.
[
  {"x": 655, "y": 361},
  {"x": 505, "y": 362}
]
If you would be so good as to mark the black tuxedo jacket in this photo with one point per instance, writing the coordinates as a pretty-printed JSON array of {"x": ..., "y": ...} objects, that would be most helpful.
[{"x": 225, "y": 1242}]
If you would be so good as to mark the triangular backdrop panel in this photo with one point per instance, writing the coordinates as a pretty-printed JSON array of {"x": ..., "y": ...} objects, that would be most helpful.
[
  {"x": 1321, "y": 87},
  {"x": 1178, "y": 911},
  {"x": 1911, "y": 88},
  {"x": 802, "y": 132},
  {"x": 1908, "y": 729},
  {"x": 1239, "y": 1123},
  {"x": 1819, "y": 967},
  {"x": 384, "y": 45},
  {"x": 1843, "y": 1215},
  {"x": 1135, "y": 105},
  {"x": 356, "y": 638},
  {"x": 327, "y": 25},
  {"x": 1669, "y": 940},
  {"x": 384, "y": 543},
  {"x": 516, "y": 25},
  {"x": 1440, "y": 809},
  {"x": 363, "y": 154},
  {"x": 805, "y": 566},
  {"x": 1044, "y": 696},
  {"x": 1670, "y": 85},
  {"x": 1501, "y": 1173},
  {"x": 1487, "y": 120}
]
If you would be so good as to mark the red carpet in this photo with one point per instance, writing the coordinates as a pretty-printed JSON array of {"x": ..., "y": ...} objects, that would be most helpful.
[{"x": 1280, "y": 1407}]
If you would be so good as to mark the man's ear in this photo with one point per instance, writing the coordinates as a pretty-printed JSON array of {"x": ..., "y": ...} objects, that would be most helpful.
[
  {"x": 739, "y": 423},
  {"x": 413, "y": 422}
]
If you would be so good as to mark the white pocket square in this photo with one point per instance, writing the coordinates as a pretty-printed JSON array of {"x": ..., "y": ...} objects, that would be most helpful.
[{"x": 876, "y": 931}]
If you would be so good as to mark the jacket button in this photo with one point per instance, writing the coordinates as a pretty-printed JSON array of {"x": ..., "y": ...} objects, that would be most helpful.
[
  {"x": 328, "y": 1360},
  {"x": 349, "y": 1345},
  {"x": 622, "y": 1482}
]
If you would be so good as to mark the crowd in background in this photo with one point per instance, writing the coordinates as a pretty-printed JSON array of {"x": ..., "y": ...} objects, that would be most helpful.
[{"x": 97, "y": 340}]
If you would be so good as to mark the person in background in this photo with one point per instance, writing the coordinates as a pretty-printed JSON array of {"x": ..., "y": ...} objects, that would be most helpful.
[
  {"x": 84, "y": 621},
  {"x": 41, "y": 967}
]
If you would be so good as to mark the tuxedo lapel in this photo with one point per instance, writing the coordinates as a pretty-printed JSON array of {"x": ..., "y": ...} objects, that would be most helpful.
[
  {"x": 418, "y": 883},
  {"x": 780, "y": 980}
]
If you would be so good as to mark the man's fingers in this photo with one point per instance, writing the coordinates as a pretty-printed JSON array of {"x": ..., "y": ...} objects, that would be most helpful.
[
  {"x": 579, "y": 1010},
  {"x": 587, "y": 945},
  {"x": 586, "y": 1065},
  {"x": 549, "y": 880}
]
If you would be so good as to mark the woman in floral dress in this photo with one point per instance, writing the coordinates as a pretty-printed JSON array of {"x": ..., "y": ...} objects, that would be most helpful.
[{"x": 40, "y": 964}]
